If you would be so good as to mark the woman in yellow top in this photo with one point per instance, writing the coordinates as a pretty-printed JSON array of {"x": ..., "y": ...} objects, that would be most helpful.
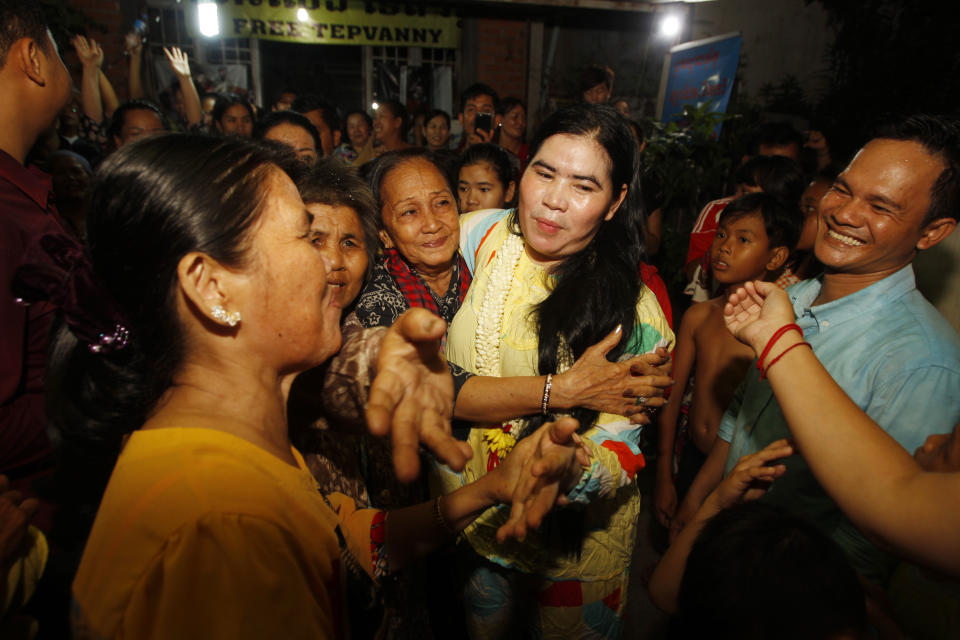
[
  {"x": 551, "y": 278},
  {"x": 211, "y": 295}
]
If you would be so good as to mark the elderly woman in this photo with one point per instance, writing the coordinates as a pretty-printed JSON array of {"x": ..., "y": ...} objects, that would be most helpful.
[
  {"x": 552, "y": 277},
  {"x": 183, "y": 354},
  {"x": 325, "y": 407},
  {"x": 344, "y": 225},
  {"x": 345, "y": 232},
  {"x": 420, "y": 234}
]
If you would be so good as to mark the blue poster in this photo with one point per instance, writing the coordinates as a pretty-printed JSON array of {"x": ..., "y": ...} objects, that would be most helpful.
[{"x": 699, "y": 72}]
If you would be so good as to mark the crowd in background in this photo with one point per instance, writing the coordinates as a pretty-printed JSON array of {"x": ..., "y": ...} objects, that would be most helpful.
[{"x": 301, "y": 370}]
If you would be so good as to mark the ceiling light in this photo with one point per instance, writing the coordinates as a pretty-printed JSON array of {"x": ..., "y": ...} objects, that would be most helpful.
[
  {"x": 670, "y": 26},
  {"x": 209, "y": 19}
]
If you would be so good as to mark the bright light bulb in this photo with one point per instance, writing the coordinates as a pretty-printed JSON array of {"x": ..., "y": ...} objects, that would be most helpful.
[
  {"x": 670, "y": 26},
  {"x": 374, "y": 106},
  {"x": 209, "y": 19},
  {"x": 302, "y": 15}
]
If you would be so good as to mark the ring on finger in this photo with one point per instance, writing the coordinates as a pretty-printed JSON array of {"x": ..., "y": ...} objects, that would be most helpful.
[{"x": 641, "y": 400}]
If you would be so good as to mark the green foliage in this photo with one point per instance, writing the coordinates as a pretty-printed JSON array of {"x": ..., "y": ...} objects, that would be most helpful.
[
  {"x": 685, "y": 158},
  {"x": 687, "y": 166}
]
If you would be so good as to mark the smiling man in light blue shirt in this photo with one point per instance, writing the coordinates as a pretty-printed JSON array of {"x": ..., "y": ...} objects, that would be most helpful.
[{"x": 889, "y": 349}]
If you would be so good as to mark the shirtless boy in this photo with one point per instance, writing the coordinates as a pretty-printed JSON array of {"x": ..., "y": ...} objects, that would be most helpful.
[{"x": 755, "y": 236}]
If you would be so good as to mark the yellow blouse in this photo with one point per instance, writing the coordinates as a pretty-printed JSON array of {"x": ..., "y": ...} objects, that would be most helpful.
[
  {"x": 611, "y": 441},
  {"x": 202, "y": 534}
]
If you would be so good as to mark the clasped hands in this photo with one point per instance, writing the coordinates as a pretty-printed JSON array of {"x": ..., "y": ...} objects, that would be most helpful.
[{"x": 630, "y": 388}]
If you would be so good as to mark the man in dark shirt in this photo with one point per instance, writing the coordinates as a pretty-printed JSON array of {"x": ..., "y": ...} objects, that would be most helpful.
[{"x": 34, "y": 86}]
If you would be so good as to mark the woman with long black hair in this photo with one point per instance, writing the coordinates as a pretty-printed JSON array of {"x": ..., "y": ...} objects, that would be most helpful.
[{"x": 551, "y": 278}]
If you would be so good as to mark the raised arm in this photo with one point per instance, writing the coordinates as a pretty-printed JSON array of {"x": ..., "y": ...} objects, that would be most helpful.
[
  {"x": 107, "y": 95},
  {"x": 135, "y": 50},
  {"x": 91, "y": 57},
  {"x": 870, "y": 476},
  {"x": 191, "y": 100}
]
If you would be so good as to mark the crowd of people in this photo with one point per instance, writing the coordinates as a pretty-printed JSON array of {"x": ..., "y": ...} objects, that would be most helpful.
[{"x": 307, "y": 372}]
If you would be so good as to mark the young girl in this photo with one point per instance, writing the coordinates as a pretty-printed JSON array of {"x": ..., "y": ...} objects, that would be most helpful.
[{"x": 486, "y": 178}]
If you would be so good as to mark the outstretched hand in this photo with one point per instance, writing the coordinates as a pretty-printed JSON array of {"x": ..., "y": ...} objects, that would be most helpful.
[
  {"x": 755, "y": 311},
  {"x": 541, "y": 469},
  {"x": 411, "y": 397},
  {"x": 178, "y": 61},
  {"x": 89, "y": 52},
  {"x": 752, "y": 476},
  {"x": 596, "y": 383}
]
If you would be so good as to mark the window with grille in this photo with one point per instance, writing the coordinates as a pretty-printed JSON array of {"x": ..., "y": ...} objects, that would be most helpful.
[
  {"x": 392, "y": 71},
  {"x": 167, "y": 26}
]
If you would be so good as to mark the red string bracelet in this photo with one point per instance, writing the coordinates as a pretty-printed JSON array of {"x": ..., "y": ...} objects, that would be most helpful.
[
  {"x": 763, "y": 374},
  {"x": 776, "y": 336}
]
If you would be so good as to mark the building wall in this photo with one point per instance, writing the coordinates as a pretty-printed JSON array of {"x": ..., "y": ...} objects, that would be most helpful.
[
  {"x": 632, "y": 51},
  {"x": 779, "y": 37},
  {"x": 502, "y": 56}
]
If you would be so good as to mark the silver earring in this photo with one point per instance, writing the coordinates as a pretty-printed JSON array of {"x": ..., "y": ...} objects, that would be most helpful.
[{"x": 220, "y": 314}]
